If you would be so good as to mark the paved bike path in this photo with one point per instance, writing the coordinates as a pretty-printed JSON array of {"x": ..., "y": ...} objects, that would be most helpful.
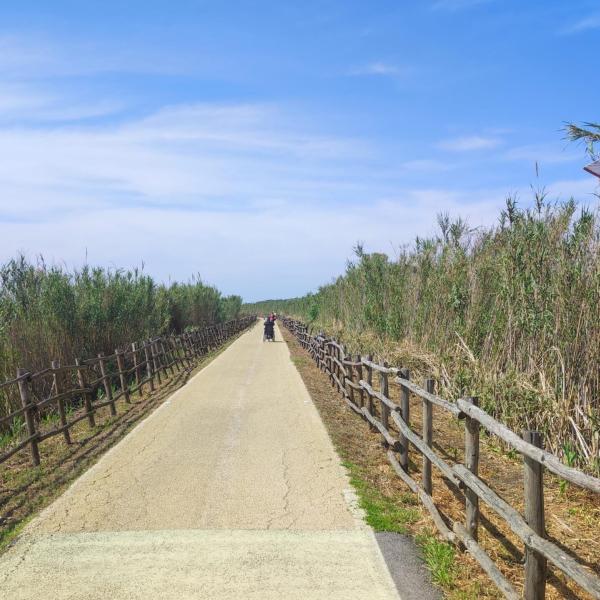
[{"x": 230, "y": 489}]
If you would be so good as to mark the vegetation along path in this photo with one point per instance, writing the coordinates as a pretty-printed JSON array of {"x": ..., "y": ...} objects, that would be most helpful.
[{"x": 231, "y": 489}]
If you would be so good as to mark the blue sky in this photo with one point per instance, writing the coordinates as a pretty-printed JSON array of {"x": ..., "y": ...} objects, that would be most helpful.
[{"x": 257, "y": 142}]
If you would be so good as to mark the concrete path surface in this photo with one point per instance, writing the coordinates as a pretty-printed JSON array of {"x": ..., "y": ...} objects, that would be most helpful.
[{"x": 231, "y": 489}]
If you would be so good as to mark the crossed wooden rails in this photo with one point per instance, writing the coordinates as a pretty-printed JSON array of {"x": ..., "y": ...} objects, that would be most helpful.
[
  {"x": 59, "y": 387},
  {"x": 353, "y": 378}
]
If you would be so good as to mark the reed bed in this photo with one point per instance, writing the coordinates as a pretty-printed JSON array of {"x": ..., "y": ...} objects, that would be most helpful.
[
  {"x": 50, "y": 313},
  {"x": 510, "y": 313}
]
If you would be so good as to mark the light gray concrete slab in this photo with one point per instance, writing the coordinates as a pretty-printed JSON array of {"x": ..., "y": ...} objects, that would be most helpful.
[{"x": 185, "y": 564}]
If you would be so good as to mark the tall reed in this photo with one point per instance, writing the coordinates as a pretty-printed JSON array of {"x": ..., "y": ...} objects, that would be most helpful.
[
  {"x": 511, "y": 313},
  {"x": 48, "y": 313}
]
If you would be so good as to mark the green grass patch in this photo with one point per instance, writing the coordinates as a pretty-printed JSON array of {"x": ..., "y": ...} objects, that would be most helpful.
[
  {"x": 15, "y": 478},
  {"x": 300, "y": 361},
  {"x": 439, "y": 558},
  {"x": 382, "y": 512},
  {"x": 8, "y": 534}
]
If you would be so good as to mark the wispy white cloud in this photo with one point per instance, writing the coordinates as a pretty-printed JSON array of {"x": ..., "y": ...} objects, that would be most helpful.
[
  {"x": 469, "y": 143},
  {"x": 381, "y": 69},
  {"x": 33, "y": 57},
  {"x": 227, "y": 245},
  {"x": 256, "y": 127},
  {"x": 30, "y": 92},
  {"x": 426, "y": 165},
  {"x": 17, "y": 99},
  {"x": 585, "y": 24},
  {"x": 584, "y": 190},
  {"x": 197, "y": 155},
  {"x": 22, "y": 57},
  {"x": 542, "y": 154},
  {"x": 25, "y": 102}
]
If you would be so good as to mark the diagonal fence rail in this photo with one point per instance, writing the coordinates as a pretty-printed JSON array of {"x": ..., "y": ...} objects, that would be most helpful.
[
  {"x": 75, "y": 392},
  {"x": 353, "y": 377}
]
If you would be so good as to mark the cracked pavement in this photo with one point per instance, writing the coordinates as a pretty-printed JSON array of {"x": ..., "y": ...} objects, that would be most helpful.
[{"x": 230, "y": 488}]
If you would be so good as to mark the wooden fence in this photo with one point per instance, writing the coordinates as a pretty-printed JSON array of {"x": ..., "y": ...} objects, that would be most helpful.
[
  {"x": 353, "y": 378},
  {"x": 94, "y": 383}
]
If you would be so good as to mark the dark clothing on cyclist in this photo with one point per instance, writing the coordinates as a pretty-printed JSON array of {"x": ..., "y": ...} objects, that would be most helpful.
[{"x": 269, "y": 328}]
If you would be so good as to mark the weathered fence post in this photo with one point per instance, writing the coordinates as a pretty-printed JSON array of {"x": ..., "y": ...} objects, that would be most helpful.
[
  {"x": 136, "y": 366},
  {"x": 107, "y": 385},
  {"x": 359, "y": 372},
  {"x": 193, "y": 348},
  {"x": 155, "y": 366},
  {"x": 175, "y": 352},
  {"x": 87, "y": 400},
  {"x": 428, "y": 435},
  {"x": 335, "y": 353},
  {"x": 385, "y": 391},
  {"x": 160, "y": 359},
  {"x": 472, "y": 463},
  {"x": 349, "y": 378},
  {"x": 29, "y": 418},
  {"x": 149, "y": 366},
  {"x": 164, "y": 357},
  {"x": 318, "y": 342},
  {"x": 370, "y": 402},
  {"x": 164, "y": 360},
  {"x": 342, "y": 371},
  {"x": 184, "y": 349},
  {"x": 57, "y": 380},
  {"x": 405, "y": 414},
  {"x": 168, "y": 361},
  {"x": 122, "y": 378},
  {"x": 535, "y": 564}
]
